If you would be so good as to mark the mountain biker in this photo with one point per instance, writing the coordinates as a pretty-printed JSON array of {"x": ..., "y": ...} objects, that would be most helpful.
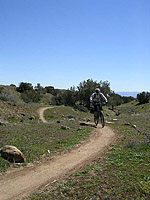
[{"x": 95, "y": 99}]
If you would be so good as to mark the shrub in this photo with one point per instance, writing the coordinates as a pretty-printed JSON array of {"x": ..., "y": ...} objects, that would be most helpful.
[
  {"x": 143, "y": 97},
  {"x": 9, "y": 94}
]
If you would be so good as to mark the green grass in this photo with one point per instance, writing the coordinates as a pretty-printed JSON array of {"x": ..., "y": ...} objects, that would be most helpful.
[
  {"x": 35, "y": 139},
  {"x": 122, "y": 173},
  {"x": 62, "y": 112}
]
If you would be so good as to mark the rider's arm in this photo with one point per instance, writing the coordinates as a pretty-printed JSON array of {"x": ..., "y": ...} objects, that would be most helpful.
[
  {"x": 91, "y": 98},
  {"x": 104, "y": 97}
]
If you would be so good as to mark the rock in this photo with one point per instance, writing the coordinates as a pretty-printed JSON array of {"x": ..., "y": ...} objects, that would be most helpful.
[
  {"x": 109, "y": 122},
  {"x": 3, "y": 122},
  {"x": 32, "y": 118},
  {"x": 83, "y": 124},
  {"x": 72, "y": 119},
  {"x": 64, "y": 127},
  {"x": 127, "y": 124},
  {"x": 12, "y": 154},
  {"x": 23, "y": 114},
  {"x": 48, "y": 151},
  {"x": 88, "y": 119},
  {"x": 71, "y": 116}
]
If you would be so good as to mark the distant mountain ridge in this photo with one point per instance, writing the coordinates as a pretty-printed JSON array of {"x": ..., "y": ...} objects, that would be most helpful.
[{"x": 127, "y": 94}]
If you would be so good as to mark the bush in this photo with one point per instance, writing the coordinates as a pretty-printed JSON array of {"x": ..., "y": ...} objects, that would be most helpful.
[
  {"x": 9, "y": 94},
  {"x": 143, "y": 97}
]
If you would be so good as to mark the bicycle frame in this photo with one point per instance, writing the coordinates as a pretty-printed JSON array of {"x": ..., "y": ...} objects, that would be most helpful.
[{"x": 97, "y": 114}]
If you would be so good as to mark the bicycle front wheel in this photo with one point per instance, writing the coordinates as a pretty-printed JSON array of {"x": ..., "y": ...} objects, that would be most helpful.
[
  {"x": 102, "y": 118},
  {"x": 96, "y": 118}
]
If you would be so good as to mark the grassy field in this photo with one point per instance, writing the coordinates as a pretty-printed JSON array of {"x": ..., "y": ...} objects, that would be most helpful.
[
  {"x": 37, "y": 140},
  {"x": 122, "y": 173}
]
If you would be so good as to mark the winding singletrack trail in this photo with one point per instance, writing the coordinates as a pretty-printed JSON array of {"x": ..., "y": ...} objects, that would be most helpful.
[{"x": 19, "y": 183}]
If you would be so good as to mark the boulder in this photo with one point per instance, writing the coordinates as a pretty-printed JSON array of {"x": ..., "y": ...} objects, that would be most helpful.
[{"x": 12, "y": 154}]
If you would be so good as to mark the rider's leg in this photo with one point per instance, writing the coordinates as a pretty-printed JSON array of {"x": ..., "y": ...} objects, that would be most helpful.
[
  {"x": 101, "y": 115},
  {"x": 95, "y": 115},
  {"x": 95, "y": 111}
]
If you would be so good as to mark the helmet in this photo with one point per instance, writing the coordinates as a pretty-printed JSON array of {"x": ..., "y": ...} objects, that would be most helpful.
[{"x": 97, "y": 90}]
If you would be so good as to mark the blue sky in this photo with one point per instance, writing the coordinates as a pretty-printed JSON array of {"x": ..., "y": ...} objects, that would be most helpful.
[{"x": 64, "y": 42}]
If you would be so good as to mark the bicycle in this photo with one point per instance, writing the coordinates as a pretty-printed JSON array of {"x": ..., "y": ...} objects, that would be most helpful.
[{"x": 99, "y": 114}]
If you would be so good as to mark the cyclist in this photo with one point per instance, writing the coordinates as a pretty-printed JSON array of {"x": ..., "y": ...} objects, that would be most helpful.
[{"x": 95, "y": 99}]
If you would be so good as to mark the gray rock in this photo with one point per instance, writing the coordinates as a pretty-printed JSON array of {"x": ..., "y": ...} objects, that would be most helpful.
[
  {"x": 71, "y": 116},
  {"x": 64, "y": 127},
  {"x": 32, "y": 118},
  {"x": 12, "y": 154}
]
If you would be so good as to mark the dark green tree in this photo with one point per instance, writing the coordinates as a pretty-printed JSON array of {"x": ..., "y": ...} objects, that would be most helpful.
[
  {"x": 69, "y": 98},
  {"x": 49, "y": 89},
  {"x": 30, "y": 96},
  {"x": 115, "y": 100},
  {"x": 86, "y": 88},
  {"x": 143, "y": 97},
  {"x": 23, "y": 87}
]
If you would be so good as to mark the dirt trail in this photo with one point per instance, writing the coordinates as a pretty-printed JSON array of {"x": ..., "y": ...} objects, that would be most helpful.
[
  {"x": 40, "y": 111},
  {"x": 20, "y": 183}
]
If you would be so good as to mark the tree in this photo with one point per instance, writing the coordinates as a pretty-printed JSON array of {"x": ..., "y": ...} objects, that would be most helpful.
[
  {"x": 49, "y": 89},
  {"x": 127, "y": 99},
  {"x": 30, "y": 96},
  {"x": 86, "y": 88},
  {"x": 143, "y": 97},
  {"x": 115, "y": 100},
  {"x": 40, "y": 90},
  {"x": 69, "y": 98},
  {"x": 23, "y": 87},
  {"x": 105, "y": 87}
]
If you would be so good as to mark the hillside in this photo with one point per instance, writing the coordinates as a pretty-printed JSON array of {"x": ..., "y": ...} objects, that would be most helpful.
[
  {"x": 17, "y": 112},
  {"x": 125, "y": 162},
  {"x": 122, "y": 172},
  {"x": 34, "y": 138}
]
